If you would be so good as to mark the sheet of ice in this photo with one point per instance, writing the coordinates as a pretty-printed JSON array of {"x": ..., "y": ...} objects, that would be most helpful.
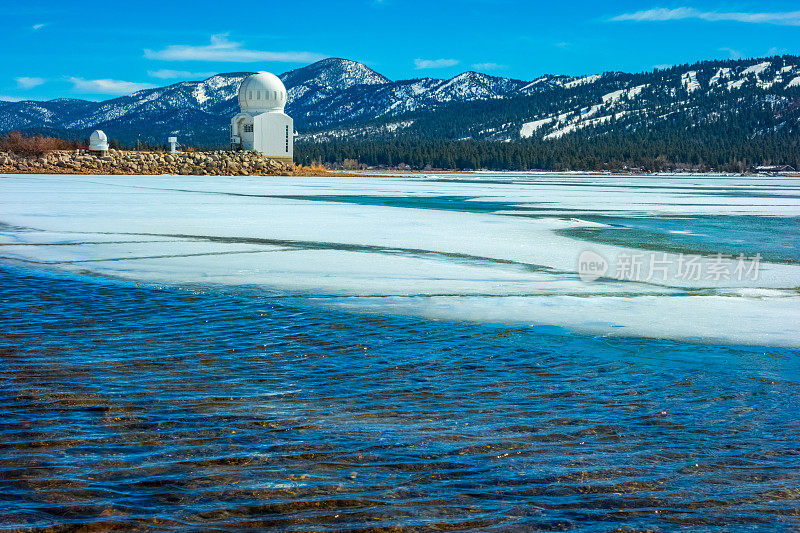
[
  {"x": 477, "y": 246},
  {"x": 707, "y": 319},
  {"x": 794, "y": 83}
]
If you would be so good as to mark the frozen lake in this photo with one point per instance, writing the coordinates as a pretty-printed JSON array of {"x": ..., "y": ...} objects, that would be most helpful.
[
  {"x": 485, "y": 247},
  {"x": 483, "y": 352}
]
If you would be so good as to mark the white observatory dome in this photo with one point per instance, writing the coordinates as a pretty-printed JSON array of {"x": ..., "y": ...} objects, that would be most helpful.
[
  {"x": 98, "y": 141},
  {"x": 262, "y": 92}
]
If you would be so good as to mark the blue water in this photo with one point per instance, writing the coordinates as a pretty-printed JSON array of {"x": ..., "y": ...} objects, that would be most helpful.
[
  {"x": 202, "y": 408},
  {"x": 776, "y": 239}
]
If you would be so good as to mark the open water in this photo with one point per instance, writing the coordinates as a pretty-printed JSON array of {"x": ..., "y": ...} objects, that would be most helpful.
[{"x": 153, "y": 407}]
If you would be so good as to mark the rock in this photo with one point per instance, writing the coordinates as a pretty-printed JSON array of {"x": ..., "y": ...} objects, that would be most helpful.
[{"x": 121, "y": 162}]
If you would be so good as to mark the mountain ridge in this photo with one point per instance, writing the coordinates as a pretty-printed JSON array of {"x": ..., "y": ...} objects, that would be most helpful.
[{"x": 339, "y": 99}]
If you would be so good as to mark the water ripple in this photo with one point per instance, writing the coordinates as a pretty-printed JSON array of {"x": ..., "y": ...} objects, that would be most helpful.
[{"x": 145, "y": 408}]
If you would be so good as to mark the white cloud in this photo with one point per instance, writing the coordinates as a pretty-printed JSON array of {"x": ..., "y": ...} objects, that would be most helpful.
[
  {"x": 106, "y": 86},
  {"x": 223, "y": 50},
  {"x": 167, "y": 74},
  {"x": 489, "y": 66},
  {"x": 4, "y": 98},
  {"x": 775, "y": 51},
  {"x": 28, "y": 82},
  {"x": 38, "y": 26},
  {"x": 784, "y": 18},
  {"x": 434, "y": 63},
  {"x": 732, "y": 52}
]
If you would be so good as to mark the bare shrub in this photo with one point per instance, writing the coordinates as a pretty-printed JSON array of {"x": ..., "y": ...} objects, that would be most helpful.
[{"x": 34, "y": 146}]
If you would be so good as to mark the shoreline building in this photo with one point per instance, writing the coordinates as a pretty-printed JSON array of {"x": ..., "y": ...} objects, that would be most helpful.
[
  {"x": 98, "y": 143},
  {"x": 262, "y": 126}
]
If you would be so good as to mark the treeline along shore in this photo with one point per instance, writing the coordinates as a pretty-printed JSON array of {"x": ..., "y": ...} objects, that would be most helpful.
[
  {"x": 646, "y": 152},
  {"x": 649, "y": 151}
]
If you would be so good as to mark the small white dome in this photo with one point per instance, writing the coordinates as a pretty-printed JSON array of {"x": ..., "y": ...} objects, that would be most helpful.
[
  {"x": 98, "y": 136},
  {"x": 98, "y": 141},
  {"x": 262, "y": 92}
]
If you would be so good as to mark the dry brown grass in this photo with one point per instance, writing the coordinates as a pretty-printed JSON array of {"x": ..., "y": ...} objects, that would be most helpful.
[
  {"x": 312, "y": 170},
  {"x": 34, "y": 146}
]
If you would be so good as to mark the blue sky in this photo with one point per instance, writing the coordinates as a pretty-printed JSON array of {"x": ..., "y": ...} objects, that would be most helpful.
[{"x": 55, "y": 49}]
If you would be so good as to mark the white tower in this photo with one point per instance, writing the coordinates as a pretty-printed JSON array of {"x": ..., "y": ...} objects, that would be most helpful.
[
  {"x": 98, "y": 143},
  {"x": 262, "y": 126},
  {"x": 173, "y": 143}
]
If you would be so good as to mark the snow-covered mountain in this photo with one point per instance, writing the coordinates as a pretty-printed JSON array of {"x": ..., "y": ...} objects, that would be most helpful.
[
  {"x": 327, "y": 93},
  {"x": 338, "y": 98}
]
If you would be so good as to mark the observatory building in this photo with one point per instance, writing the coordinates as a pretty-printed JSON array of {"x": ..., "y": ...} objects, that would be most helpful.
[
  {"x": 98, "y": 143},
  {"x": 262, "y": 126}
]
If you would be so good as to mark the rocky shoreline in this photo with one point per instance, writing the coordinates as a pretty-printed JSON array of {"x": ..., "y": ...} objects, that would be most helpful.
[{"x": 220, "y": 163}]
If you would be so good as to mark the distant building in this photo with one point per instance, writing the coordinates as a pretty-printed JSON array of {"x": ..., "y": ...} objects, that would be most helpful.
[
  {"x": 262, "y": 126},
  {"x": 773, "y": 169},
  {"x": 98, "y": 143}
]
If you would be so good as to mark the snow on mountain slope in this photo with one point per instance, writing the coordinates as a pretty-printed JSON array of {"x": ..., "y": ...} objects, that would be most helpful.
[
  {"x": 473, "y": 85},
  {"x": 689, "y": 81},
  {"x": 569, "y": 122},
  {"x": 756, "y": 69},
  {"x": 322, "y": 107},
  {"x": 545, "y": 83},
  {"x": 529, "y": 128},
  {"x": 334, "y": 74},
  {"x": 340, "y": 96},
  {"x": 323, "y": 79},
  {"x": 207, "y": 95},
  {"x": 721, "y": 74},
  {"x": 582, "y": 81}
]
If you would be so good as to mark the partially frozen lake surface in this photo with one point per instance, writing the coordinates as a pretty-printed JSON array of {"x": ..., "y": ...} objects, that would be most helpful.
[
  {"x": 408, "y": 352},
  {"x": 488, "y": 248}
]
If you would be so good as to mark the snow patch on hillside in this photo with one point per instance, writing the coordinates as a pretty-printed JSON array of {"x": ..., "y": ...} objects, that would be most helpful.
[
  {"x": 534, "y": 83},
  {"x": 568, "y": 122},
  {"x": 756, "y": 69},
  {"x": 199, "y": 94},
  {"x": 736, "y": 84},
  {"x": 615, "y": 96},
  {"x": 722, "y": 73},
  {"x": 689, "y": 81},
  {"x": 582, "y": 81},
  {"x": 612, "y": 97},
  {"x": 580, "y": 124},
  {"x": 528, "y": 128}
]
